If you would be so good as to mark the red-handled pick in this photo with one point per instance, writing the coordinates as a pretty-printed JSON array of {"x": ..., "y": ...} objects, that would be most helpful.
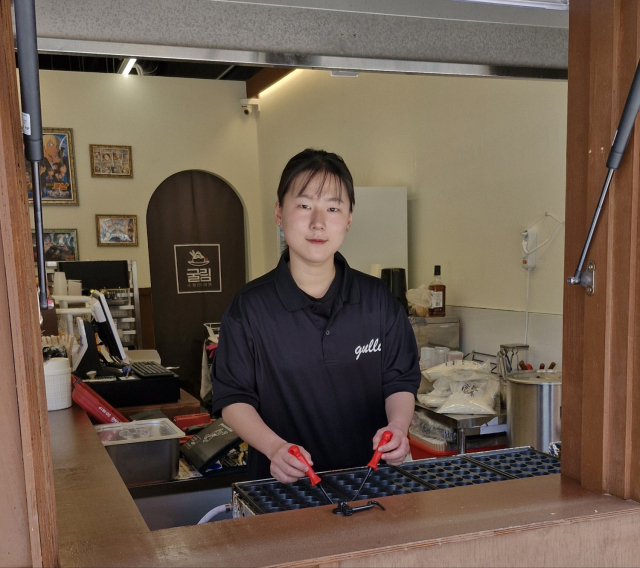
[
  {"x": 313, "y": 477},
  {"x": 373, "y": 464}
]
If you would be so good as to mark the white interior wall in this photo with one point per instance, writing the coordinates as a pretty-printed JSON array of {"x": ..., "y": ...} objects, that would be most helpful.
[
  {"x": 172, "y": 125},
  {"x": 481, "y": 157}
]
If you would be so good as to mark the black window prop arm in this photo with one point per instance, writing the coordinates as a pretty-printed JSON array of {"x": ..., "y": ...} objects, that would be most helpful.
[
  {"x": 586, "y": 278},
  {"x": 26, "y": 40}
]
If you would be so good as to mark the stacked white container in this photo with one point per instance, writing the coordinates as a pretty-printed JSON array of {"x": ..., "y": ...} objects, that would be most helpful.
[{"x": 57, "y": 379}]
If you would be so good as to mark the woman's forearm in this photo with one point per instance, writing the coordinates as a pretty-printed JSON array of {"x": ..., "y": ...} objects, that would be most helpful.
[
  {"x": 399, "y": 408},
  {"x": 246, "y": 422}
]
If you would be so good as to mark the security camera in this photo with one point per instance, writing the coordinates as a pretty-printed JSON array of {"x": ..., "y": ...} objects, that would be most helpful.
[{"x": 248, "y": 106}]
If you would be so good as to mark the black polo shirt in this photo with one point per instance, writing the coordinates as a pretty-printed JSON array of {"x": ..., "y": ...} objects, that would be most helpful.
[{"x": 317, "y": 381}]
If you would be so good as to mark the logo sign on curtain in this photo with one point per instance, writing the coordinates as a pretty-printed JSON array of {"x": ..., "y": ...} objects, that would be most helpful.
[{"x": 197, "y": 268}]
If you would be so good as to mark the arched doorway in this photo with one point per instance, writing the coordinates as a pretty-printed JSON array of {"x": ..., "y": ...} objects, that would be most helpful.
[{"x": 195, "y": 229}]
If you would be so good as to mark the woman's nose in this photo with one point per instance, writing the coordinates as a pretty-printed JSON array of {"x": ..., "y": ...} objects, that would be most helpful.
[{"x": 317, "y": 220}]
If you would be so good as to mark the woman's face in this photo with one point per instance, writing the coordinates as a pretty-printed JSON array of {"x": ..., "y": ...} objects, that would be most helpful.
[{"x": 314, "y": 222}]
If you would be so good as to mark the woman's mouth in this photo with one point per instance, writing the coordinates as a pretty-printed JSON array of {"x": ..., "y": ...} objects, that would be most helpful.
[{"x": 316, "y": 241}]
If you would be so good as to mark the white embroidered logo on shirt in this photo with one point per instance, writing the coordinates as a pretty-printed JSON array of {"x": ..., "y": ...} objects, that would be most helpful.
[{"x": 372, "y": 347}]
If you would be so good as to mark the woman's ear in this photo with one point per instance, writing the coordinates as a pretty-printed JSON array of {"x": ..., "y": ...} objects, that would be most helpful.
[
  {"x": 278, "y": 214},
  {"x": 349, "y": 221}
]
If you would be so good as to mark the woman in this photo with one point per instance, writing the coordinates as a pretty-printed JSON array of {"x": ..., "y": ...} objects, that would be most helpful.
[{"x": 314, "y": 353}]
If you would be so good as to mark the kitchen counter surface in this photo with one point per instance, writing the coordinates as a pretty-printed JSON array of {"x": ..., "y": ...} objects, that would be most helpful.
[{"x": 99, "y": 523}]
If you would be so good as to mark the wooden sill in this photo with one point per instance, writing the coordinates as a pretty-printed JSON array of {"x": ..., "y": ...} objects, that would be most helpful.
[{"x": 547, "y": 520}]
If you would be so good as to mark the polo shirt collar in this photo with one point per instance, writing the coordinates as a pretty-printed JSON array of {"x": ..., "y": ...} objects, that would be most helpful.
[{"x": 294, "y": 299}]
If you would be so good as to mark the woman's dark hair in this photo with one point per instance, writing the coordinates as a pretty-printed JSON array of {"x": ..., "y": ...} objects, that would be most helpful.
[{"x": 309, "y": 163}]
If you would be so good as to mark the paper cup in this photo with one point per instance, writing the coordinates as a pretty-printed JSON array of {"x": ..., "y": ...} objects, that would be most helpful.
[{"x": 59, "y": 284}]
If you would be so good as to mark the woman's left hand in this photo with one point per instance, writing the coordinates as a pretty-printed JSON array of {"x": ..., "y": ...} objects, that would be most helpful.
[{"x": 396, "y": 449}]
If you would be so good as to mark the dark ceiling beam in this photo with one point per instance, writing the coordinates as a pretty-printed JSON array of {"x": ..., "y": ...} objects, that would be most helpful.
[{"x": 263, "y": 79}]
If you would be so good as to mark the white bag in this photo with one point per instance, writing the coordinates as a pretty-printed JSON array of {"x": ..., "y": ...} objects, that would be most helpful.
[
  {"x": 460, "y": 371},
  {"x": 471, "y": 397},
  {"x": 420, "y": 298},
  {"x": 471, "y": 385}
]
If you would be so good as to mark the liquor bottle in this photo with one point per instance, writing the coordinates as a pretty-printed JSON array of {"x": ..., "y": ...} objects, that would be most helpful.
[{"x": 438, "y": 294}]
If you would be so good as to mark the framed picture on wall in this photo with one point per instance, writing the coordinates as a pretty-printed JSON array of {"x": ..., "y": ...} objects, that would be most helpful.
[
  {"x": 117, "y": 230},
  {"x": 59, "y": 244},
  {"x": 58, "y": 184},
  {"x": 111, "y": 161}
]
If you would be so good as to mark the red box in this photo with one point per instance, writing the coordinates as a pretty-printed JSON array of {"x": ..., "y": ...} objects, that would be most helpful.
[
  {"x": 95, "y": 406},
  {"x": 183, "y": 421}
]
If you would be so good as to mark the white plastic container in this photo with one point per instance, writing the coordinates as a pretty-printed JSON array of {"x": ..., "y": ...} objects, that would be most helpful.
[
  {"x": 456, "y": 356},
  {"x": 57, "y": 380},
  {"x": 74, "y": 287}
]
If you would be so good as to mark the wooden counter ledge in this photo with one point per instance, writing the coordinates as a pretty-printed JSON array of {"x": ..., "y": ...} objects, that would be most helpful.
[{"x": 543, "y": 521}]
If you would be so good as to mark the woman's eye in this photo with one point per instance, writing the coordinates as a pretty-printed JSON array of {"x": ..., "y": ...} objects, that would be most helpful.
[
  {"x": 334, "y": 209},
  {"x": 304, "y": 206}
]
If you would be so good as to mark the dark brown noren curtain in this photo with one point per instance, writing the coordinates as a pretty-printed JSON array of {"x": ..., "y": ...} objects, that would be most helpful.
[{"x": 195, "y": 229}]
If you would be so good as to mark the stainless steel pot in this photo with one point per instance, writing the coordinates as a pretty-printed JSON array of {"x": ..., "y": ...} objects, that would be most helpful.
[{"x": 533, "y": 408}]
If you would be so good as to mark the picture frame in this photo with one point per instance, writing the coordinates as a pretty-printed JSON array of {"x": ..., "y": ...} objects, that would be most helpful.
[
  {"x": 111, "y": 161},
  {"x": 58, "y": 182},
  {"x": 117, "y": 230},
  {"x": 59, "y": 245}
]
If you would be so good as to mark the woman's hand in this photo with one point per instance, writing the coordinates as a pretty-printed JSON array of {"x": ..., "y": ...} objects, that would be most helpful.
[
  {"x": 396, "y": 449},
  {"x": 287, "y": 468}
]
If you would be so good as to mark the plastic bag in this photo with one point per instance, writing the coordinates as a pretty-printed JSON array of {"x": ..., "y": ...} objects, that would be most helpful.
[
  {"x": 431, "y": 400},
  {"x": 441, "y": 390},
  {"x": 471, "y": 397},
  {"x": 425, "y": 427},
  {"x": 51, "y": 351},
  {"x": 420, "y": 298},
  {"x": 460, "y": 371},
  {"x": 469, "y": 386}
]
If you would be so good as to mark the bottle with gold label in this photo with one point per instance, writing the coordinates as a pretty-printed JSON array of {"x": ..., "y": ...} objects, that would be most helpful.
[{"x": 438, "y": 295}]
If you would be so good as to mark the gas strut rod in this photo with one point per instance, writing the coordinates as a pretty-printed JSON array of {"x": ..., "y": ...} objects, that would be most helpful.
[
  {"x": 619, "y": 145},
  {"x": 32, "y": 121}
]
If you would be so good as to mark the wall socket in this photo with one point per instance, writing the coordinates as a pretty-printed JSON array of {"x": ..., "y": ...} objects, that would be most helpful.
[{"x": 529, "y": 242}]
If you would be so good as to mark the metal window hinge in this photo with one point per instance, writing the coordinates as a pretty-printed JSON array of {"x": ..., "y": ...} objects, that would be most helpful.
[{"x": 586, "y": 278}]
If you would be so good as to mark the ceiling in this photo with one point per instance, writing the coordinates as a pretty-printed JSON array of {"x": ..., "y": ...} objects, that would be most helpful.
[{"x": 234, "y": 39}]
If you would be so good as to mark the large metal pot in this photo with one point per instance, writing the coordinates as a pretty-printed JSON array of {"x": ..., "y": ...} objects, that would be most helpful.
[{"x": 533, "y": 408}]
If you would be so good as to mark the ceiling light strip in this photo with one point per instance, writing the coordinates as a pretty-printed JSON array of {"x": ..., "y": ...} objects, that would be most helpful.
[{"x": 238, "y": 57}]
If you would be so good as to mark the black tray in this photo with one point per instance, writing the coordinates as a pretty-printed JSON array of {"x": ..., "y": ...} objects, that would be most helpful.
[
  {"x": 386, "y": 481},
  {"x": 517, "y": 462},
  {"x": 270, "y": 496},
  {"x": 451, "y": 472}
]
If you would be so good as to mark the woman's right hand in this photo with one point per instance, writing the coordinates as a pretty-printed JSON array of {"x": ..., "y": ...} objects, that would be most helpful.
[{"x": 287, "y": 468}]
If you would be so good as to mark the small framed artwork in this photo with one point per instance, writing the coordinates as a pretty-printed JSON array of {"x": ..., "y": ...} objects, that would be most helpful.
[
  {"x": 111, "y": 161},
  {"x": 59, "y": 244},
  {"x": 57, "y": 171},
  {"x": 117, "y": 230}
]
